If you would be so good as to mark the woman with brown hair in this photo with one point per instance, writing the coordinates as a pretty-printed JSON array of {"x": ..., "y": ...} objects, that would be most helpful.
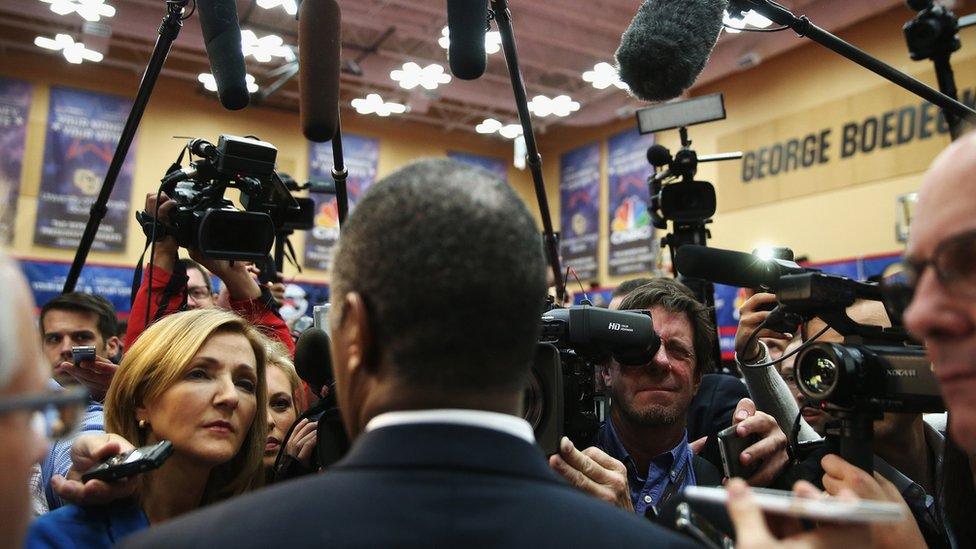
[{"x": 196, "y": 379}]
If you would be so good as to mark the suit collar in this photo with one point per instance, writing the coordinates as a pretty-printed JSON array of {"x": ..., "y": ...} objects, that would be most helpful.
[{"x": 447, "y": 447}]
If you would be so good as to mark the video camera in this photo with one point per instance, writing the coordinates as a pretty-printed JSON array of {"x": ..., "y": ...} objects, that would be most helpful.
[
  {"x": 205, "y": 220},
  {"x": 562, "y": 397},
  {"x": 875, "y": 369}
]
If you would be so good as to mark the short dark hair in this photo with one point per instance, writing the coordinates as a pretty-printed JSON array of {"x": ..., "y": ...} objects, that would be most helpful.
[
  {"x": 675, "y": 297},
  {"x": 628, "y": 286},
  {"x": 448, "y": 260},
  {"x": 190, "y": 264},
  {"x": 81, "y": 302}
]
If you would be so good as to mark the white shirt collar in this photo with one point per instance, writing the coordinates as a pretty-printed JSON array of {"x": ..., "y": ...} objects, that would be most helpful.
[{"x": 505, "y": 423}]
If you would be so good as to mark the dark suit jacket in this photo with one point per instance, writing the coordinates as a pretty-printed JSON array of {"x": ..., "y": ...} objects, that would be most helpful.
[{"x": 429, "y": 485}]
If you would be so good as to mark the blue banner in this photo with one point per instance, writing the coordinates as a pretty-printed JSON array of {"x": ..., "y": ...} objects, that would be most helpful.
[
  {"x": 46, "y": 279},
  {"x": 361, "y": 156},
  {"x": 633, "y": 248},
  {"x": 15, "y": 96},
  {"x": 579, "y": 194},
  {"x": 496, "y": 166},
  {"x": 83, "y": 129}
]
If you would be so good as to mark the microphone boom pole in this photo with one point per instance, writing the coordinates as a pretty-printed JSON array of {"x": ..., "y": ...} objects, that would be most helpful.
[
  {"x": 503, "y": 16},
  {"x": 169, "y": 29}
]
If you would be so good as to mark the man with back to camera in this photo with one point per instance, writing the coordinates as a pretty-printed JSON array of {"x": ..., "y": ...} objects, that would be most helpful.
[
  {"x": 72, "y": 320},
  {"x": 438, "y": 289}
]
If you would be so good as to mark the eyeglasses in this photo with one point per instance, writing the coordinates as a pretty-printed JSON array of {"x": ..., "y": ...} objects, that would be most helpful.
[
  {"x": 56, "y": 415},
  {"x": 199, "y": 293},
  {"x": 954, "y": 261}
]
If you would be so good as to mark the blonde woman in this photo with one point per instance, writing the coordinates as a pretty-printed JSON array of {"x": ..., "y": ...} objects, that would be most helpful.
[
  {"x": 196, "y": 379},
  {"x": 286, "y": 400}
]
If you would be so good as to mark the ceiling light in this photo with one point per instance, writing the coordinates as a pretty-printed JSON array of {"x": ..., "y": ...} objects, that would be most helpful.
[
  {"x": 561, "y": 105},
  {"x": 374, "y": 104},
  {"x": 413, "y": 75},
  {"x": 74, "y": 52},
  {"x": 511, "y": 131},
  {"x": 290, "y": 7},
  {"x": 603, "y": 76},
  {"x": 488, "y": 125},
  {"x": 89, "y": 10},
  {"x": 210, "y": 83},
  {"x": 263, "y": 49},
  {"x": 750, "y": 19},
  {"x": 493, "y": 40}
]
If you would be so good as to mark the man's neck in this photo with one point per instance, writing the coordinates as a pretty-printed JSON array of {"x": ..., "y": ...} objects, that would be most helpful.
[
  {"x": 176, "y": 488},
  {"x": 644, "y": 442},
  {"x": 907, "y": 451}
]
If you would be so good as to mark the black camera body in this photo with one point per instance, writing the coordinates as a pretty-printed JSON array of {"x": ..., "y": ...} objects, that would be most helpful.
[
  {"x": 562, "y": 397},
  {"x": 205, "y": 220}
]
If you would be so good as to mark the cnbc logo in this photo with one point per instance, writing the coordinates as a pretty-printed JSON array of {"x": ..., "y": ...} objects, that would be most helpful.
[{"x": 631, "y": 222}]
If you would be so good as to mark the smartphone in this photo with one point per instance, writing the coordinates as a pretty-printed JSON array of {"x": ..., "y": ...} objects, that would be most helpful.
[
  {"x": 826, "y": 508},
  {"x": 700, "y": 529},
  {"x": 130, "y": 463},
  {"x": 730, "y": 446},
  {"x": 82, "y": 353}
]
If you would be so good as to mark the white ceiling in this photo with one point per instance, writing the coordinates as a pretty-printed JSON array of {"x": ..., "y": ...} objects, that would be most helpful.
[{"x": 557, "y": 41}]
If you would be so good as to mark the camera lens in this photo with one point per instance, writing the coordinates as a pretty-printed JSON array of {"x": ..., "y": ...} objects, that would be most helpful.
[{"x": 817, "y": 373}]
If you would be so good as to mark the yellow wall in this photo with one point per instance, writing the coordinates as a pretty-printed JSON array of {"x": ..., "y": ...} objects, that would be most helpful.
[
  {"x": 850, "y": 222},
  {"x": 177, "y": 110}
]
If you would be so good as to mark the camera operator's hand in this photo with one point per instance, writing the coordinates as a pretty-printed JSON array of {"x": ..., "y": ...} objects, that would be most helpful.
[
  {"x": 769, "y": 451},
  {"x": 749, "y": 319},
  {"x": 166, "y": 251},
  {"x": 96, "y": 375},
  {"x": 593, "y": 472},
  {"x": 88, "y": 451},
  {"x": 753, "y": 531},
  {"x": 840, "y": 475},
  {"x": 235, "y": 275},
  {"x": 301, "y": 443}
]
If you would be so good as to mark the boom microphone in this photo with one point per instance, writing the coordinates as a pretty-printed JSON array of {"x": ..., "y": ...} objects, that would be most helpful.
[
  {"x": 319, "y": 46},
  {"x": 466, "y": 22},
  {"x": 666, "y": 46},
  {"x": 733, "y": 268},
  {"x": 222, "y": 37},
  {"x": 312, "y": 359}
]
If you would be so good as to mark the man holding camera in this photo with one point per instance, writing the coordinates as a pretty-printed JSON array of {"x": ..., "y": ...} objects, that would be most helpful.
[{"x": 176, "y": 284}]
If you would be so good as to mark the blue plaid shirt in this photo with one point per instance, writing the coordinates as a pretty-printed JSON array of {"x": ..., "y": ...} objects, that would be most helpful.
[
  {"x": 647, "y": 488},
  {"x": 58, "y": 460}
]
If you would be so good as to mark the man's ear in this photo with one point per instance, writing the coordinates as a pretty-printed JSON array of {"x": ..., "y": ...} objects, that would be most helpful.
[
  {"x": 357, "y": 334},
  {"x": 112, "y": 346},
  {"x": 605, "y": 375}
]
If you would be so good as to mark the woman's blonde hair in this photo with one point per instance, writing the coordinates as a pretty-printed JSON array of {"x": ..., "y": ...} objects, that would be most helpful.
[
  {"x": 159, "y": 359},
  {"x": 279, "y": 356}
]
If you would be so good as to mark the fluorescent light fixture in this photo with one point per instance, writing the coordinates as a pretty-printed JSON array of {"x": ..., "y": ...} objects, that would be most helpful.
[
  {"x": 603, "y": 76},
  {"x": 511, "y": 131},
  {"x": 89, "y": 10},
  {"x": 73, "y": 52},
  {"x": 265, "y": 48},
  {"x": 493, "y": 40},
  {"x": 488, "y": 126},
  {"x": 561, "y": 106},
  {"x": 290, "y": 7},
  {"x": 412, "y": 75},
  {"x": 374, "y": 104},
  {"x": 210, "y": 83},
  {"x": 750, "y": 19}
]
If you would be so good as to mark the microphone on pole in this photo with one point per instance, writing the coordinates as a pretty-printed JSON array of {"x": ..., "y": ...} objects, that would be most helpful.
[
  {"x": 222, "y": 37},
  {"x": 319, "y": 46},
  {"x": 466, "y": 22},
  {"x": 667, "y": 44}
]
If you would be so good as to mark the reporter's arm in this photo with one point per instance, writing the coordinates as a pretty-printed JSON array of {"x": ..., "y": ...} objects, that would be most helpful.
[
  {"x": 769, "y": 452},
  {"x": 594, "y": 472},
  {"x": 86, "y": 452}
]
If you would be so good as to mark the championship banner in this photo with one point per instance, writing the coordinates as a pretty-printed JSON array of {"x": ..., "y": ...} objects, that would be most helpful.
[
  {"x": 83, "y": 129},
  {"x": 361, "y": 156},
  {"x": 496, "y": 166},
  {"x": 46, "y": 279},
  {"x": 15, "y": 98},
  {"x": 633, "y": 247},
  {"x": 579, "y": 194}
]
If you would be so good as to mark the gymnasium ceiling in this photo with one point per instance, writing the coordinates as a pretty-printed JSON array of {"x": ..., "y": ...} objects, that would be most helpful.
[{"x": 557, "y": 41}]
